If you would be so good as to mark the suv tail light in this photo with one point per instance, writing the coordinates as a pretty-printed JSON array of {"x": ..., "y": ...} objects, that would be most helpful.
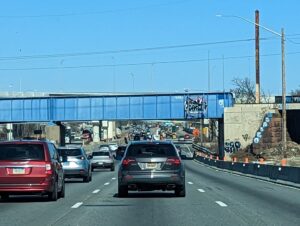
[
  {"x": 48, "y": 168},
  {"x": 128, "y": 161},
  {"x": 173, "y": 161}
]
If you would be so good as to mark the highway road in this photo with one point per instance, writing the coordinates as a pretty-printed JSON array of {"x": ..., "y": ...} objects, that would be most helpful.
[{"x": 213, "y": 198}]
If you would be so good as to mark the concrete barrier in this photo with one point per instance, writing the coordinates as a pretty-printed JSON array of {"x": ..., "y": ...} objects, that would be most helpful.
[{"x": 283, "y": 173}]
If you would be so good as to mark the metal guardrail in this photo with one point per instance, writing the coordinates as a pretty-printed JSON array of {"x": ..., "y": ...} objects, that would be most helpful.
[
  {"x": 273, "y": 173},
  {"x": 202, "y": 149}
]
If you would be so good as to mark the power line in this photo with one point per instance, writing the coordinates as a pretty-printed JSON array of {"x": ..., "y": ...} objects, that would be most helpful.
[
  {"x": 76, "y": 54},
  {"x": 142, "y": 63}
]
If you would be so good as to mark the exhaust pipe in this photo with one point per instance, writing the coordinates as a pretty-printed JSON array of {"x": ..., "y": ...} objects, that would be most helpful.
[{"x": 132, "y": 187}]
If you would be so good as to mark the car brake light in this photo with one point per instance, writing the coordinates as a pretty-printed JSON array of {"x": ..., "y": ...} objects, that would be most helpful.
[
  {"x": 48, "y": 169},
  {"x": 127, "y": 162},
  {"x": 173, "y": 161}
]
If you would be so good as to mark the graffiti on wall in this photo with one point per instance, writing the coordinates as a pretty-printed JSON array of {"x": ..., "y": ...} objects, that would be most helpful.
[
  {"x": 195, "y": 107},
  {"x": 232, "y": 146}
]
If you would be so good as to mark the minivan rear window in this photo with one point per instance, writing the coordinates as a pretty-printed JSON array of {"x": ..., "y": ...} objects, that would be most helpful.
[
  {"x": 70, "y": 152},
  {"x": 151, "y": 150},
  {"x": 22, "y": 152}
]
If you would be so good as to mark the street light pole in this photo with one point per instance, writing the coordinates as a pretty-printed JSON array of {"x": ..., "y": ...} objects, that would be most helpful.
[
  {"x": 282, "y": 73},
  {"x": 283, "y": 92}
]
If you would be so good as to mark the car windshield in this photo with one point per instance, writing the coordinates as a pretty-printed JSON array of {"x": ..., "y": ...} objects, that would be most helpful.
[
  {"x": 101, "y": 153},
  {"x": 151, "y": 150},
  {"x": 22, "y": 152},
  {"x": 70, "y": 152}
]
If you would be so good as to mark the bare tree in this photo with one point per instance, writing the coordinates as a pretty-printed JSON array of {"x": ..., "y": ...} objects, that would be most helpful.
[
  {"x": 295, "y": 92},
  {"x": 244, "y": 90}
]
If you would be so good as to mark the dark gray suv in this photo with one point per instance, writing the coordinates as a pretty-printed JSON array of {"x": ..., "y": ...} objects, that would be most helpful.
[{"x": 151, "y": 165}]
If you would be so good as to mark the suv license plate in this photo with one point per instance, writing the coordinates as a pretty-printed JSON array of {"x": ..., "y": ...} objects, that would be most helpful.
[
  {"x": 151, "y": 165},
  {"x": 18, "y": 170}
]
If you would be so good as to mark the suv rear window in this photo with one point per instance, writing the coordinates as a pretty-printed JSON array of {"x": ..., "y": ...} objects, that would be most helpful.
[
  {"x": 101, "y": 153},
  {"x": 151, "y": 150},
  {"x": 22, "y": 152},
  {"x": 69, "y": 152}
]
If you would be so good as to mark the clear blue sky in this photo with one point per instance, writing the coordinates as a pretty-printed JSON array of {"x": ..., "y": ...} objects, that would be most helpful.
[{"x": 34, "y": 28}]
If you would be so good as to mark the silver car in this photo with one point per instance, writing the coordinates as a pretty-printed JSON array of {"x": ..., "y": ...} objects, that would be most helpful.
[
  {"x": 103, "y": 159},
  {"x": 76, "y": 163}
]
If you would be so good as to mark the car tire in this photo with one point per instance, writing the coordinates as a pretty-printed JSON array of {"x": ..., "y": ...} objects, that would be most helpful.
[
  {"x": 53, "y": 196},
  {"x": 93, "y": 169},
  {"x": 4, "y": 197},
  {"x": 122, "y": 191},
  {"x": 86, "y": 179},
  {"x": 112, "y": 168},
  {"x": 61, "y": 194},
  {"x": 180, "y": 191}
]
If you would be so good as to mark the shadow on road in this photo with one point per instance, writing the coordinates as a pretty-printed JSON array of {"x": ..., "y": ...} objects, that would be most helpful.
[{"x": 147, "y": 195}]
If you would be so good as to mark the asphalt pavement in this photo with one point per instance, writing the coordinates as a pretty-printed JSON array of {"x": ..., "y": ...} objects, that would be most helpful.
[{"x": 213, "y": 198}]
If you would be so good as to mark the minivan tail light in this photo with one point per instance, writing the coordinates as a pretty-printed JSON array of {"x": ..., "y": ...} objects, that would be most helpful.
[
  {"x": 48, "y": 168},
  {"x": 127, "y": 162},
  {"x": 173, "y": 161}
]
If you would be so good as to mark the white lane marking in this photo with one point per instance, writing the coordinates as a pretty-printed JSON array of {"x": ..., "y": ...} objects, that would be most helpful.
[
  {"x": 96, "y": 191},
  {"x": 221, "y": 203},
  {"x": 107, "y": 183},
  {"x": 77, "y": 205},
  {"x": 201, "y": 190},
  {"x": 113, "y": 178},
  {"x": 190, "y": 182}
]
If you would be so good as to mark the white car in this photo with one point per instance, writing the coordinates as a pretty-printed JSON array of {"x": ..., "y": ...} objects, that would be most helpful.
[{"x": 103, "y": 159}]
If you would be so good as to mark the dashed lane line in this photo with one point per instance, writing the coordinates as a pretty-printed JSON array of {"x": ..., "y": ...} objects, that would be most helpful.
[
  {"x": 107, "y": 183},
  {"x": 222, "y": 204},
  {"x": 96, "y": 191},
  {"x": 201, "y": 190},
  {"x": 77, "y": 205},
  {"x": 113, "y": 178},
  {"x": 190, "y": 182}
]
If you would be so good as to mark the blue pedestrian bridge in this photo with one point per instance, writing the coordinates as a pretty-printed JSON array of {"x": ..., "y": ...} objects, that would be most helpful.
[{"x": 114, "y": 107}]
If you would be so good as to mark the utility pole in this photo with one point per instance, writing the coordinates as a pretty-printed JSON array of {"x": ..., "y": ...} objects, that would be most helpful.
[
  {"x": 283, "y": 94},
  {"x": 257, "y": 65}
]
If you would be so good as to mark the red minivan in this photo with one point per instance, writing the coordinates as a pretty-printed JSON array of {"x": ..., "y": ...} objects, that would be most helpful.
[{"x": 30, "y": 167}]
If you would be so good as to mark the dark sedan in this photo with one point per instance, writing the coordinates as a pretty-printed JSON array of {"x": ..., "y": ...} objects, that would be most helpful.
[{"x": 151, "y": 165}]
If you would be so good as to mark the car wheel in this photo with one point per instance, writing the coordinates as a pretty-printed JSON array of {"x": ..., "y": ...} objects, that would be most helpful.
[
  {"x": 92, "y": 169},
  {"x": 62, "y": 191},
  {"x": 86, "y": 179},
  {"x": 53, "y": 196},
  {"x": 122, "y": 191},
  {"x": 112, "y": 168},
  {"x": 4, "y": 197},
  {"x": 180, "y": 191}
]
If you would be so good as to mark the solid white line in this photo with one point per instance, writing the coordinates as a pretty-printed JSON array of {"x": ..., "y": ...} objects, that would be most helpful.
[
  {"x": 96, "y": 191},
  {"x": 113, "y": 178},
  {"x": 107, "y": 183},
  {"x": 221, "y": 203},
  {"x": 77, "y": 205},
  {"x": 190, "y": 182},
  {"x": 201, "y": 190}
]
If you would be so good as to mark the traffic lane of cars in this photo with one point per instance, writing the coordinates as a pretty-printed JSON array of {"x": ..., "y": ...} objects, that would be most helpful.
[
  {"x": 149, "y": 208},
  {"x": 251, "y": 201},
  {"x": 29, "y": 207}
]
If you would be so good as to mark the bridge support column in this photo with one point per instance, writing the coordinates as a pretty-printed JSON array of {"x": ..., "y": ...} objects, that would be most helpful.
[
  {"x": 56, "y": 133},
  {"x": 96, "y": 131},
  {"x": 62, "y": 133},
  {"x": 221, "y": 138}
]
